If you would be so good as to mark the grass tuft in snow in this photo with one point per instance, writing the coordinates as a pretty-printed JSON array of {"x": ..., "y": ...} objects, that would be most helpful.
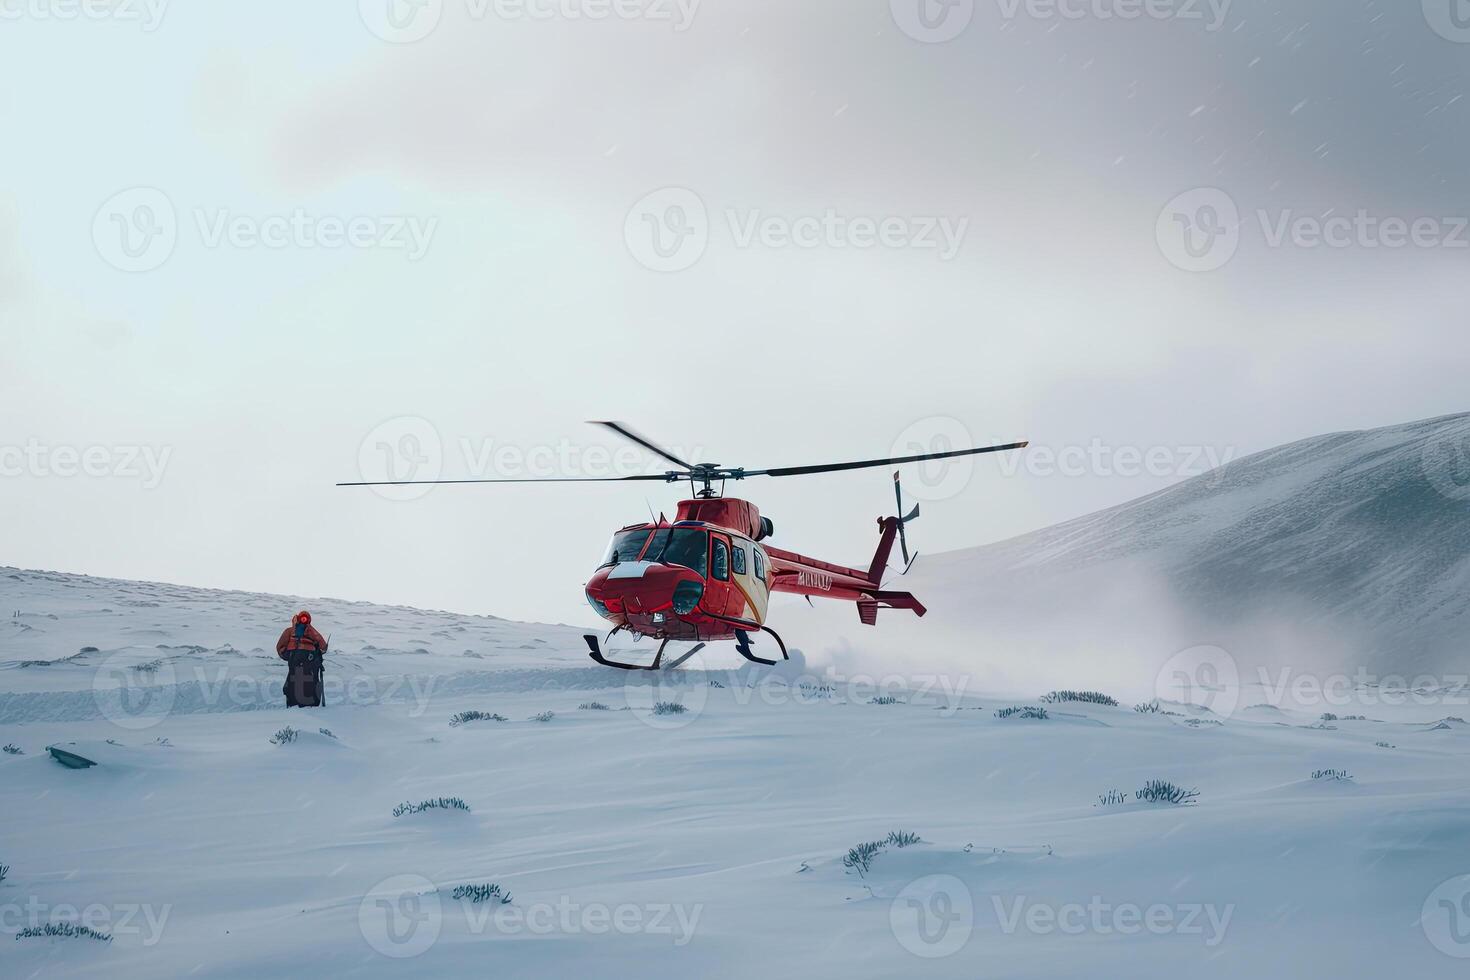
[
  {"x": 285, "y": 736},
  {"x": 1332, "y": 774},
  {"x": 151, "y": 667},
  {"x": 1163, "y": 791},
  {"x": 669, "y": 708},
  {"x": 1112, "y": 797},
  {"x": 1148, "y": 707},
  {"x": 441, "y": 803},
  {"x": 482, "y": 893},
  {"x": 715, "y": 683},
  {"x": 1084, "y": 697},
  {"x": 544, "y": 716},
  {"x": 859, "y": 858},
  {"x": 465, "y": 717},
  {"x": 593, "y": 706},
  {"x": 1385, "y": 745},
  {"x": 885, "y": 699},
  {"x": 4, "y": 871},
  {"x": 1028, "y": 712},
  {"x": 12, "y": 749},
  {"x": 64, "y": 929}
]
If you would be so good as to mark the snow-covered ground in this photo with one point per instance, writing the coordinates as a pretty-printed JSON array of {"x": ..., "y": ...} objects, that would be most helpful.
[{"x": 703, "y": 843}]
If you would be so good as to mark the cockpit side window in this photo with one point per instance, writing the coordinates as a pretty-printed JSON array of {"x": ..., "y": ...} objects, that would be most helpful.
[
  {"x": 625, "y": 546},
  {"x": 737, "y": 559},
  {"x": 721, "y": 562}
]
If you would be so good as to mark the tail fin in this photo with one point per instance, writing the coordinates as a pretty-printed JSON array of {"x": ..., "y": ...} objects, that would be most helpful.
[{"x": 892, "y": 527}]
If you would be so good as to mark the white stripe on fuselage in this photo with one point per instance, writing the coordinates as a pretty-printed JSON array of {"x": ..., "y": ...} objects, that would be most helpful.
[{"x": 630, "y": 569}]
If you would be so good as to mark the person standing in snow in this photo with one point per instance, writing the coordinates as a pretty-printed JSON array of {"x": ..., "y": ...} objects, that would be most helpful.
[{"x": 302, "y": 647}]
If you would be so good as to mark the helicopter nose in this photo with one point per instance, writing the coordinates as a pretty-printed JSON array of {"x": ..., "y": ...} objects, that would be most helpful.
[{"x": 634, "y": 588}]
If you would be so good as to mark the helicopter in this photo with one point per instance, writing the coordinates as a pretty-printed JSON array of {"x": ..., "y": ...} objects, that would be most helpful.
[{"x": 708, "y": 575}]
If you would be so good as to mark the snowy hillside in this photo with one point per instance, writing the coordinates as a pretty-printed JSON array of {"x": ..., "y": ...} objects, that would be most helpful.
[
  {"x": 720, "y": 839},
  {"x": 1351, "y": 548}
]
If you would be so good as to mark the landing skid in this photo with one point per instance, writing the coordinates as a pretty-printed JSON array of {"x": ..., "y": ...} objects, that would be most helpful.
[
  {"x": 742, "y": 647},
  {"x": 595, "y": 648}
]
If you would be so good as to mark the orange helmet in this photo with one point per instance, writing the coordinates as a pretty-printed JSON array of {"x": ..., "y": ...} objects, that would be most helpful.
[{"x": 303, "y": 617}]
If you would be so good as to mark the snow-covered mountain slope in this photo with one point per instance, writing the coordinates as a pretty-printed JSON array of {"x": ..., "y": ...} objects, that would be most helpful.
[
  {"x": 75, "y": 633},
  {"x": 711, "y": 841},
  {"x": 1351, "y": 548}
]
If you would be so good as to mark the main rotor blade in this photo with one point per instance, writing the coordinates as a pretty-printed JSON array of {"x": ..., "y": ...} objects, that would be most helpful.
[
  {"x": 660, "y": 477},
  {"x": 652, "y": 447},
  {"x": 864, "y": 464}
]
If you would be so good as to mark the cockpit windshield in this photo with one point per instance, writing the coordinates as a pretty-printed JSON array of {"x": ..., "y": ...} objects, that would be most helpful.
[
  {"x": 625, "y": 546},
  {"x": 685, "y": 546}
]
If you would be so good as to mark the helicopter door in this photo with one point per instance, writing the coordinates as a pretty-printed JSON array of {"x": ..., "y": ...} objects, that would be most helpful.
[
  {"x": 718, "y": 589},
  {"x": 748, "y": 594}
]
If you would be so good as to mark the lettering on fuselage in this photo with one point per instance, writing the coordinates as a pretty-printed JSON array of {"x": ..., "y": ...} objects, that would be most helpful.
[{"x": 814, "y": 580}]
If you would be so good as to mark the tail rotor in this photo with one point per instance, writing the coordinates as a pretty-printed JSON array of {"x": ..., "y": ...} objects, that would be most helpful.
[{"x": 903, "y": 519}]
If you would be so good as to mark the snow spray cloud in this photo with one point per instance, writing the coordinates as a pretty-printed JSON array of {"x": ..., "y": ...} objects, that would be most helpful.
[
  {"x": 942, "y": 479},
  {"x": 1445, "y": 917},
  {"x": 119, "y": 920},
  {"x": 1203, "y": 229},
  {"x": 403, "y": 916},
  {"x": 146, "y": 14},
  {"x": 670, "y": 230},
  {"x": 934, "y": 916},
  {"x": 410, "y": 448},
  {"x": 138, "y": 229},
  {"x": 410, "y": 21},
  {"x": 38, "y": 460}
]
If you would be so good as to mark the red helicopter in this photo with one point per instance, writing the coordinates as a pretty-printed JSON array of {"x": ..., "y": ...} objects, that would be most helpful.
[{"x": 707, "y": 576}]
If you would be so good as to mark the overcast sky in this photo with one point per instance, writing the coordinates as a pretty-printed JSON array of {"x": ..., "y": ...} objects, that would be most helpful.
[{"x": 248, "y": 251}]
